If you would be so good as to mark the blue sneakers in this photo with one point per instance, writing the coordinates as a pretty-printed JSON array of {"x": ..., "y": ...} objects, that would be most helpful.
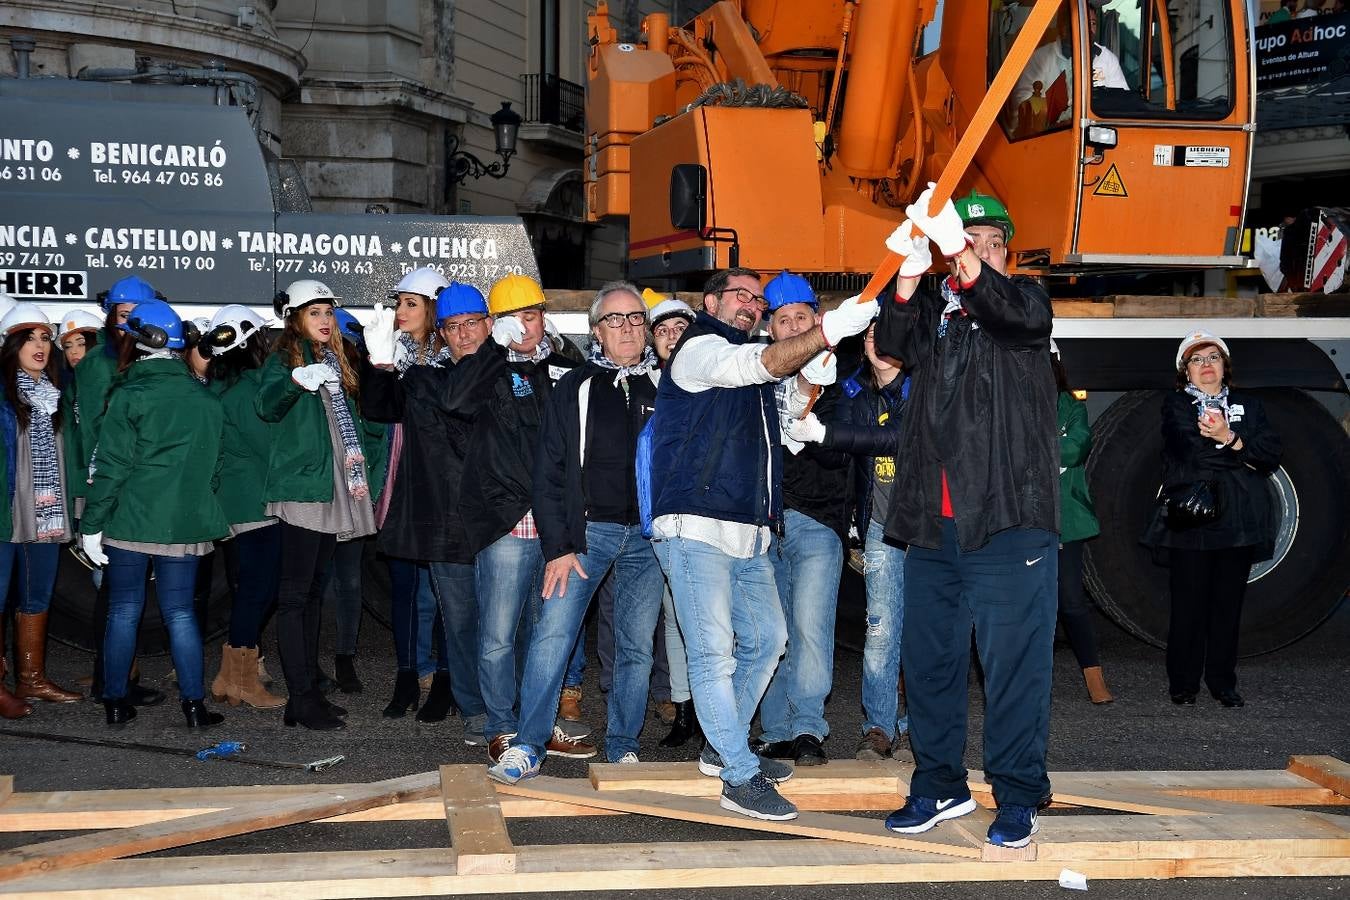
[
  {"x": 758, "y": 799},
  {"x": 921, "y": 813},
  {"x": 1013, "y": 826},
  {"x": 517, "y": 763}
]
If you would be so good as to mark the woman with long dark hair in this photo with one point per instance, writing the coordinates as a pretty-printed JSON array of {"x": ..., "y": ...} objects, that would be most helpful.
[
  {"x": 318, "y": 483},
  {"x": 150, "y": 503},
  {"x": 236, "y": 345},
  {"x": 37, "y": 498},
  {"x": 1216, "y": 438}
]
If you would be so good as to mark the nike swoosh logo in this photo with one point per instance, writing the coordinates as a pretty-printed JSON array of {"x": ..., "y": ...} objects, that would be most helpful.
[
  {"x": 943, "y": 804},
  {"x": 1032, "y": 562}
]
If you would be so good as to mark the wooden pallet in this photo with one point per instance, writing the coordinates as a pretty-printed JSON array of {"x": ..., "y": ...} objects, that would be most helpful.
[{"x": 1163, "y": 825}]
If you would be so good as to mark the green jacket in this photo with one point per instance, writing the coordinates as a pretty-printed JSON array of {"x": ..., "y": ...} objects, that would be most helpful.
[
  {"x": 94, "y": 379},
  {"x": 1077, "y": 520},
  {"x": 246, "y": 448},
  {"x": 300, "y": 467},
  {"x": 77, "y": 463},
  {"x": 158, "y": 459}
]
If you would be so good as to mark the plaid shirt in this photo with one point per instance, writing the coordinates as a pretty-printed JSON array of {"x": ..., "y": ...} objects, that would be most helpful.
[{"x": 525, "y": 528}]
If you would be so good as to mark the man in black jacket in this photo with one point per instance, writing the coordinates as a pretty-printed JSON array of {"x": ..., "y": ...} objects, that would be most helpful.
[
  {"x": 977, "y": 500},
  {"x": 809, "y": 553},
  {"x": 586, "y": 510}
]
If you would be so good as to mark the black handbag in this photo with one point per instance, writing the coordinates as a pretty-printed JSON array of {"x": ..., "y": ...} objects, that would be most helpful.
[{"x": 1190, "y": 504}]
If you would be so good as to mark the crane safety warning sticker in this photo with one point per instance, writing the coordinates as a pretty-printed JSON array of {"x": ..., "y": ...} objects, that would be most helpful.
[{"x": 1111, "y": 184}]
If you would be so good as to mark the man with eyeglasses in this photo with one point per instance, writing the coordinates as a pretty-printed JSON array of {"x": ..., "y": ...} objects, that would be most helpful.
[
  {"x": 716, "y": 481},
  {"x": 586, "y": 510},
  {"x": 976, "y": 498}
]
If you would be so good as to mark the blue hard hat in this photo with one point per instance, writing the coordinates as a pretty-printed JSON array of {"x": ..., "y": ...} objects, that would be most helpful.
[
  {"x": 457, "y": 299},
  {"x": 785, "y": 288},
  {"x": 349, "y": 326},
  {"x": 154, "y": 324},
  {"x": 132, "y": 289}
]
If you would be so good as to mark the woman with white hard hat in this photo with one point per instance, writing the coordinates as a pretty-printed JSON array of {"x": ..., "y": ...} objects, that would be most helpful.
[
  {"x": 150, "y": 505},
  {"x": 236, "y": 343},
  {"x": 36, "y": 511},
  {"x": 1215, "y": 517},
  {"x": 318, "y": 481}
]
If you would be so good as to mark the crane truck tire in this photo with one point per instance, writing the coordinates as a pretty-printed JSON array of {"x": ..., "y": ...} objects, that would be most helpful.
[{"x": 1289, "y": 595}]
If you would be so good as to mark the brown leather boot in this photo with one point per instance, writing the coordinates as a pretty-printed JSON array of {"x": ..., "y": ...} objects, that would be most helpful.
[
  {"x": 11, "y": 707},
  {"x": 31, "y": 640},
  {"x": 248, "y": 687},
  {"x": 225, "y": 686},
  {"x": 569, "y": 703},
  {"x": 1096, "y": 685}
]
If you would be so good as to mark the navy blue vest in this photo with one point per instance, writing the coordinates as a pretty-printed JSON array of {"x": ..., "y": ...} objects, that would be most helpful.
[{"x": 709, "y": 456}]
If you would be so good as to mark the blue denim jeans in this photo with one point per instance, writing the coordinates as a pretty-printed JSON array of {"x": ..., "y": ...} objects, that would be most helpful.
[
  {"x": 453, "y": 584},
  {"x": 255, "y": 587},
  {"x": 174, "y": 580},
  {"x": 1006, "y": 592},
  {"x": 679, "y": 668},
  {"x": 637, "y": 600},
  {"x": 576, "y": 666},
  {"x": 36, "y": 565},
  {"x": 807, "y": 561},
  {"x": 734, "y": 633},
  {"x": 884, "y": 574},
  {"x": 508, "y": 575},
  {"x": 344, "y": 582},
  {"x": 412, "y": 614}
]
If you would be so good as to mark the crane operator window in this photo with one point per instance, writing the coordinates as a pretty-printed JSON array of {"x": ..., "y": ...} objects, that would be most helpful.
[{"x": 1042, "y": 99}]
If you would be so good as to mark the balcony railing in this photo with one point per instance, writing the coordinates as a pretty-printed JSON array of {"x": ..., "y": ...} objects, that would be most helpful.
[{"x": 550, "y": 100}]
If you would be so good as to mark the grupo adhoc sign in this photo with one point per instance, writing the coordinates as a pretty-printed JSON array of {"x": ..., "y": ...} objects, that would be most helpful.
[{"x": 1302, "y": 50}]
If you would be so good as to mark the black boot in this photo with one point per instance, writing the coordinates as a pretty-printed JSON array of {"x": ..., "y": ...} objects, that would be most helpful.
[
  {"x": 198, "y": 716},
  {"x": 334, "y": 708},
  {"x": 119, "y": 712},
  {"x": 144, "y": 696},
  {"x": 437, "y": 704},
  {"x": 323, "y": 682},
  {"x": 406, "y": 692},
  {"x": 344, "y": 670},
  {"x": 685, "y": 727},
  {"x": 310, "y": 711}
]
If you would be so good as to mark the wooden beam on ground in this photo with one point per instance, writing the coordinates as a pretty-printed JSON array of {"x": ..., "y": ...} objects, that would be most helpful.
[
  {"x": 1328, "y": 771},
  {"x": 843, "y": 784},
  {"x": 6, "y": 787},
  {"x": 104, "y": 845},
  {"x": 695, "y": 809},
  {"x": 477, "y": 829}
]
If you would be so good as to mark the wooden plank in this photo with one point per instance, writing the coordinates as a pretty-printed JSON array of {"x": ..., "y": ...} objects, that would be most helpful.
[
  {"x": 1327, "y": 771},
  {"x": 6, "y": 786},
  {"x": 104, "y": 845},
  {"x": 1128, "y": 306},
  {"x": 843, "y": 777},
  {"x": 694, "y": 809},
  {"x": 477, "y": 829},
  {"x": 1302, "y": 305},
  {"x": 1262, "y": 787},
  {"x": 1249, "y": 834},
  {"x": 632, "y": 867},
  {"x": 1084, "y": 309}
]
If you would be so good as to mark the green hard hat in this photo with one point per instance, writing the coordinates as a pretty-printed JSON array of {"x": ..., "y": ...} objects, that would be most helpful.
[{"x": 982, "y": 209}]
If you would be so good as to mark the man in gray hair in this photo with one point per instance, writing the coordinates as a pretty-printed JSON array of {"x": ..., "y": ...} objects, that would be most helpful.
[{"x": 586, "y": 509}]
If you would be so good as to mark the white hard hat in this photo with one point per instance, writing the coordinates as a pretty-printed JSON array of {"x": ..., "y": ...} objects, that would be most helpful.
[
  {"x": 667, "y": 308},
  {"x": 25, "y": 315},
  {"x": 6, "y": 303},
  {"x": 1198, "y": 338},
  {"x": 302, "y": 293},
  {"x": 80, "y": 320},
  {"x": 425, "y": 281},
  {"x": 230, "y": 328}
]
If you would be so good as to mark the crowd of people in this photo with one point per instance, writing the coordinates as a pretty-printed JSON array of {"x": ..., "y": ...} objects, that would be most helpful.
[{"x": 698, "y": 485}]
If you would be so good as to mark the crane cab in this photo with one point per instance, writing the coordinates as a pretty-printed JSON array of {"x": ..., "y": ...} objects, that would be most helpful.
[{"x": 1126, "y": 140}]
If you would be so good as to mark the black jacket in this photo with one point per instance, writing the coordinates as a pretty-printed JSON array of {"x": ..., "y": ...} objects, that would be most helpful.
[
  {"x": 981, "y": 408},
  {"x": 815, "y": 479},
  {"x": 857, "y": 429},
  {"x": 560, "y": 498},
  {"x": 503, "y": 404},
  {"x": 423, "y": 521},
  {"x": 1246, "y": 512}
]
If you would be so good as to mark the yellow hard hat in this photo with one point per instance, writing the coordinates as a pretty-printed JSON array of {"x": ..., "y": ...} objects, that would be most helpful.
[
  {"x": 514, "y": 292},
  {"x": 652, "y": 298}
]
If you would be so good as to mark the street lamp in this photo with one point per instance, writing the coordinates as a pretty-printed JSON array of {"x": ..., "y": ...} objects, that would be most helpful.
[{"x": 462, "y": 165}]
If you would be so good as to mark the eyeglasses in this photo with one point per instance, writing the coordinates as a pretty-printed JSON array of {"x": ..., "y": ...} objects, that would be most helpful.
[
  {"x": 616, "y": 320},
  {"x": 746, "y": 297},
  {"x": 467, "y": 325},
  {"x": 1212, "y": 359},
  {"x": 673, "y": 329}
]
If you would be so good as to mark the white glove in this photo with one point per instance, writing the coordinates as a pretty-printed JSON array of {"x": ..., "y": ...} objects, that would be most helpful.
[
  {"x": 92, "y": 545},
  {"x": 913, "y": 247},
  {"x": 847, "y": 319},
  {"x": 807, "y": 431},
  {"x": 945, "y": 229},
  {"x": 821, "y": 369},
  {"x": 508, "y": 330},
  {"x": 379, "y": 336},
  {"x": 311, "y": 377}
]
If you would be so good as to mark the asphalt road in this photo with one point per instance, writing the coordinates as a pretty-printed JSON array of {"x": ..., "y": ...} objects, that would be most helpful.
[{"x": 1297, "y": 704}]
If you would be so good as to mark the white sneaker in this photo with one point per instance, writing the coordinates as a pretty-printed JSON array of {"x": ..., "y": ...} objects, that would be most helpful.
[
  {"x": 516, "y": 763},
  {"x": 627, "y": 759}
]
